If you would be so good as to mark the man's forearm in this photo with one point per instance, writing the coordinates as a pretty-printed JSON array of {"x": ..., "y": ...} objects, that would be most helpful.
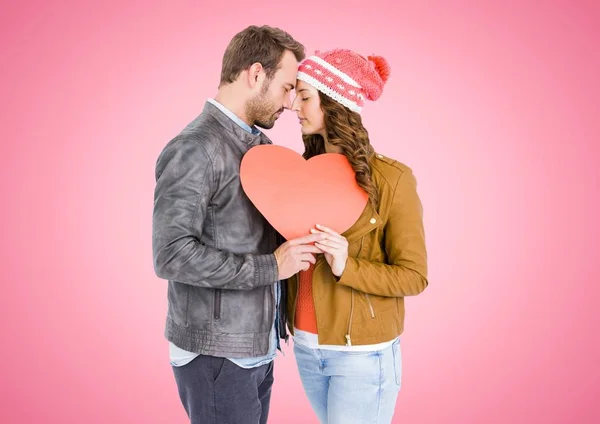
[{"x": 188, "y": 261}]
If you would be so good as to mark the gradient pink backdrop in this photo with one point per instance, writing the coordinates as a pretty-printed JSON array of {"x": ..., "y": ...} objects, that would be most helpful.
[{"x": 495, "y": 106}]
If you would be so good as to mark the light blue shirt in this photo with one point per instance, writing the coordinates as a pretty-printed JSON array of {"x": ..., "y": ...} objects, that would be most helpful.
[{"x": 181, "y": 357}]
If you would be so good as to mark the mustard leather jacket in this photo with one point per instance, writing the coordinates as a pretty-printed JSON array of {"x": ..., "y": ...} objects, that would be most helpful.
[{"x": 387, "y": 261}]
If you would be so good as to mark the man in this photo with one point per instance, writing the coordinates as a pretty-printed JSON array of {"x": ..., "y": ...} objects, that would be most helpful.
[{"x": 225, "y": 314}]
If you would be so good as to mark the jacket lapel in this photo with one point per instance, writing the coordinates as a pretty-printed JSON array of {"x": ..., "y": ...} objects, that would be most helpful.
[{"x": 368, "y": 221}]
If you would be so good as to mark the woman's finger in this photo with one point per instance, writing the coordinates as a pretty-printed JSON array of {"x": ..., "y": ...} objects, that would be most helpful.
[
  {"x": 332, "y": 235},
  {"x": 327, "y": 229},
  {"x": 332, "y": 243},
  {"x": 326, "y": 249}
]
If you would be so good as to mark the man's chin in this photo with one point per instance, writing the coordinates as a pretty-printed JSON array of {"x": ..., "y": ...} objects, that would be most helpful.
[{"x": 265, "y": 125}]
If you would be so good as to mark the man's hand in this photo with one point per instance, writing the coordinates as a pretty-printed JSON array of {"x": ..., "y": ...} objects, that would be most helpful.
[{"x": 296, "y": 255}]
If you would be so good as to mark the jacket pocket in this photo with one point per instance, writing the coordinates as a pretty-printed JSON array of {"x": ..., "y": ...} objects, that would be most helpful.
[
  {"x": 217, "y": 307},
  {"x": 372, "y": 310}
]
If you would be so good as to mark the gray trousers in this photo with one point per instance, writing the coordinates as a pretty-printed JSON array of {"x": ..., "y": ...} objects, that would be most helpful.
[{"x": 216, "y": 391}]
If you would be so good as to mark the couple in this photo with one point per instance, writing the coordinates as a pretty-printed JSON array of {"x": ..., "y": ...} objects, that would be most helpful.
[{"x": 234, "y": 283}]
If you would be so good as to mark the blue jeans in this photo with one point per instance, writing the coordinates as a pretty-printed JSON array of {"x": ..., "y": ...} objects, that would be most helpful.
[{"x": 351, "y": 387}]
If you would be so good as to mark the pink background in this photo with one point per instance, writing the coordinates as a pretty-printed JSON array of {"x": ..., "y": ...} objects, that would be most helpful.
[{"x": 495, "y": 105}]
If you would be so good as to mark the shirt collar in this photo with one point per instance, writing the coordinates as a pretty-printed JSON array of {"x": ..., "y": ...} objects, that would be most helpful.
[{"x": 252, "y": 130}]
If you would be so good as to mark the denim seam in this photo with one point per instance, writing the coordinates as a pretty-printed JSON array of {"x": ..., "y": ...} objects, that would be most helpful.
[
  {"x": 381, "y": 376},
  {"x": 215, "y": 391},
  {"x": 395, "y": 356}
]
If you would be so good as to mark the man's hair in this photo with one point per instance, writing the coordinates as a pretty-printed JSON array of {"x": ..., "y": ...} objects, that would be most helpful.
[{"x": 265, "y": 45}]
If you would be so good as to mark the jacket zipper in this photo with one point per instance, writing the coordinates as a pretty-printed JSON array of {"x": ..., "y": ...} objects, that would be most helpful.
[
  {"x": 272, "y": 305},
  {"x": 283, "y": 311},
  {"x": 348, "y": 338},
  {"x": 217, "y": 310},
  {"x": 370, "y": 305},
  {"x": 282, "y": 301}
]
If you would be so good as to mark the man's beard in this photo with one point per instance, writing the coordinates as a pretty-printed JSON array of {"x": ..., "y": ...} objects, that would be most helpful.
[{"x": 258, "y": 111}]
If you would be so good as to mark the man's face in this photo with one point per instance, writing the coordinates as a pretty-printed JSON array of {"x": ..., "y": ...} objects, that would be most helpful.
[{"x": 275, "y": 94}]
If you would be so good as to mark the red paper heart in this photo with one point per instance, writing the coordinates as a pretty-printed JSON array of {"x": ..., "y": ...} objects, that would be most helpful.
[{"x": 295, "y": 194}]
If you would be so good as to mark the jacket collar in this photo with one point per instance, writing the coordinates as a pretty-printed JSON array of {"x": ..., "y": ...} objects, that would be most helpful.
[
  {"x": 368, "y": 221},
  {"x": 234, "y": 128}
]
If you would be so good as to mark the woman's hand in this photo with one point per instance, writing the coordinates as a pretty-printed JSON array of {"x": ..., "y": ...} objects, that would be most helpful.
[{"x": 334, "y": 247}]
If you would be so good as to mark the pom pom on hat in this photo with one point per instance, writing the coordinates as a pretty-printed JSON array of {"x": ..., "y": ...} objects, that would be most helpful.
[{"x": 382, "y": 66}]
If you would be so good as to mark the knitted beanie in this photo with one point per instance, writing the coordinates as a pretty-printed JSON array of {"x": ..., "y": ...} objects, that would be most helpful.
[{"x": 346, "y": 76}]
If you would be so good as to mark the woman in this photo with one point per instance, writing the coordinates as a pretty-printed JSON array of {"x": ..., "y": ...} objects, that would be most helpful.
[{"x": 346, "y": 312}]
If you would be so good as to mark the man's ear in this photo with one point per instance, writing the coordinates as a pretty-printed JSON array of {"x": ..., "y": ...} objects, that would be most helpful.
[{"x": 256, "y": 75}]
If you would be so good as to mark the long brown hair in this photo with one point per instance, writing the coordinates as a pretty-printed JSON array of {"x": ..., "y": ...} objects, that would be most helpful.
[{"x": 345, "y": 130}]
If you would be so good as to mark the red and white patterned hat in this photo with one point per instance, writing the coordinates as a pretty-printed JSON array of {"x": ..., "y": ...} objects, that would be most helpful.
[{"x": 346, "y": 76}]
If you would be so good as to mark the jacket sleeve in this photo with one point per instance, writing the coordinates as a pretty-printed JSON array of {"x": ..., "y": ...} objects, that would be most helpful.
[
  {"x": 184, "y": 187},
  {"x": 405, "y": 273}
]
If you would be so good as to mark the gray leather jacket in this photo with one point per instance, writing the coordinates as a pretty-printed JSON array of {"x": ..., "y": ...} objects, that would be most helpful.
[{"x": 212, "y": 244}]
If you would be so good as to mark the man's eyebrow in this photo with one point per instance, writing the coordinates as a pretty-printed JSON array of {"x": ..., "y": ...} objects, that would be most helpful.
[{"x": 291, "y": 85}]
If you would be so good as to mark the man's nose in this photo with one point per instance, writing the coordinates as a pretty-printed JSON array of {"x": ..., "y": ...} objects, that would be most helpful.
[
  {"x": 287, "y": 102},
  {"x": 295, "y": 104}
]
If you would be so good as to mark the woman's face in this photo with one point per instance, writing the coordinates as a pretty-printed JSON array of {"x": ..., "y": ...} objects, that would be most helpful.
[{"x": 307, "y": 106}]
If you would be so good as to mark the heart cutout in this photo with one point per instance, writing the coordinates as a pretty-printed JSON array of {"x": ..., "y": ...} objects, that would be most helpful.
[{"x": 295, "y": 194}]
